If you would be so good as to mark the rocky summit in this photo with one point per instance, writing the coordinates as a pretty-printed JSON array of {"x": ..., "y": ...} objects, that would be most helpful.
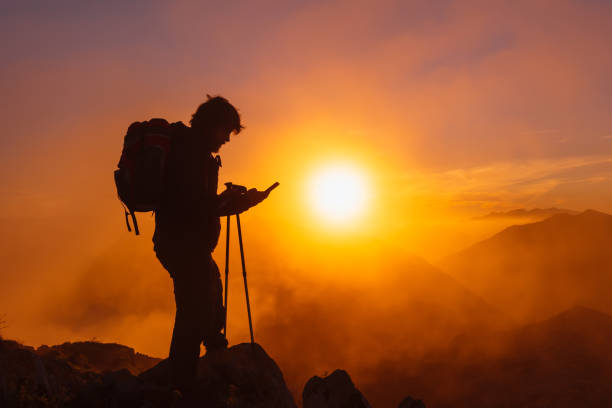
[
  {"x": 91, "y": 374},
  {"x": 241, "y": 376}
]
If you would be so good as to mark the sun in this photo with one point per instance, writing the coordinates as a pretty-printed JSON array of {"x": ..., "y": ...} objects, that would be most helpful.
[{"x": 338, "y": 193}]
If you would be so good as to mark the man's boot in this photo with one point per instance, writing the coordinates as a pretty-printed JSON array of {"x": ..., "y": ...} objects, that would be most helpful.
[{"x": 215, "y": 342}]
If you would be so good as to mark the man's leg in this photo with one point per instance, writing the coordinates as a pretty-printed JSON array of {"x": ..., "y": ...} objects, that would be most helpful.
[
  {"x": 187, "y": 333},
  {"x": 189, "y": 278},
  {"x": 213, "y": 315}
]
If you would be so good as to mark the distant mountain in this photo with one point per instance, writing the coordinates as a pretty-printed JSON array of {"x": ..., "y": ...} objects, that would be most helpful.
[
  {"x": 533, "y": 214},
  {"x": 564, "y": 361},
  {"x": 561, "y": 362},
  {"x": 535, "y": 270}
]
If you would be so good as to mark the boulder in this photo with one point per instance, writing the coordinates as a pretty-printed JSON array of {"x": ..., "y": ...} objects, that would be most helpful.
[
  {"x": 411, "y": 403},
  {"x": 245, "y": 376},
  {"x": 239, "y": 377},
  {"x": 99, "y": 357},
  {"x": 242, "y": 376},
  {"x": 334, "y": 391}
]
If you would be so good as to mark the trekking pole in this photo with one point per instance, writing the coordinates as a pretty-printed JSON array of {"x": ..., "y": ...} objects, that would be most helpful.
[
  {"x": 227, "y": 243},
  {"x": 246, "y": 288}
]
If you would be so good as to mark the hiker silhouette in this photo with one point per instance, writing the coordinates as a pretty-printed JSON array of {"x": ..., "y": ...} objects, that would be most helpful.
[{"x": 187, "y": 227}]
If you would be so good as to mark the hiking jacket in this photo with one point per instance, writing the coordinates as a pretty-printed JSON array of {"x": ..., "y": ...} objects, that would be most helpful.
[{"x": 187, "y": 214}]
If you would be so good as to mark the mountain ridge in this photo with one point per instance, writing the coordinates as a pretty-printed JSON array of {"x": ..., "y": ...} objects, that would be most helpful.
[
  {"x": 524, "y": 213},
  {"x": 536, "y": 270}
]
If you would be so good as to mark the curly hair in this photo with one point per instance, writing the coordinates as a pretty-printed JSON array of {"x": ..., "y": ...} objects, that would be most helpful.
[{"x": 216, "y": 112}]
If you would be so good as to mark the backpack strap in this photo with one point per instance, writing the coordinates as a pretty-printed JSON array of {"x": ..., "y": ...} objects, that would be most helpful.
[
  {"x": 127, "y": 220},
  {"x": 136, "y": 231}
]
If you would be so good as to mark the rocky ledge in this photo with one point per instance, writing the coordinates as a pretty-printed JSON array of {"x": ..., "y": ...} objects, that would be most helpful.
[{"x": 101, "y": 375}]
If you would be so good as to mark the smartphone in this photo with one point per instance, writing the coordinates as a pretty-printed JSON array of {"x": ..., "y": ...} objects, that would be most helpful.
[{"x": 272, "y": 187}]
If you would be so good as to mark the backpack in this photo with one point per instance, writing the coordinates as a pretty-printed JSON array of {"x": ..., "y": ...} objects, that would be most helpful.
[{"x": 140, "y": 176}]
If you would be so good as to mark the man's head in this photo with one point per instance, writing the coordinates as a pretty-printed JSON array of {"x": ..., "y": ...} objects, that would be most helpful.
[{"x": 214, "y": 121}]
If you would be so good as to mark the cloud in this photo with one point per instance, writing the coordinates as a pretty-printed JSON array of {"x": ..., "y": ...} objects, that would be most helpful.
[
  {"x": 507, "y": 185},
  {"x": 540, "y": 132}
]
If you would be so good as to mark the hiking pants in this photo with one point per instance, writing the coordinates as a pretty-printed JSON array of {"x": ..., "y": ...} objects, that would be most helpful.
[{"x": 199, "y": 308}]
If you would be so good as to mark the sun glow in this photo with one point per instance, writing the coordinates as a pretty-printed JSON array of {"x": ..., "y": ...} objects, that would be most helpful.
[{"x": 338, "y": 193}]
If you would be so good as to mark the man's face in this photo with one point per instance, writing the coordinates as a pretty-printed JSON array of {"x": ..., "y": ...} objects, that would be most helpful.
[{"x": 219, "y": 138}]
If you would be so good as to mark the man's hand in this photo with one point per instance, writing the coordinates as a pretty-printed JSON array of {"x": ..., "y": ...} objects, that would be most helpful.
[
  {"x": 255, "y": 196},
  {"x": 236, "y": 199}
]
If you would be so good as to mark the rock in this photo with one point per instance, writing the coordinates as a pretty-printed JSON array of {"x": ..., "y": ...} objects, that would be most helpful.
[
  {"x": 239, "y": 377},
  {"x": 334, "y": 391},
  {"x": 242, "y": 376},
  {"x": 99, "y": 357},
  {"x": 411, "y": 403},
  {"x": 27, "y": 379}
]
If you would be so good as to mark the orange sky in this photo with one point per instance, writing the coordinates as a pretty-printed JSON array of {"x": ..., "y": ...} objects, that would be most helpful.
[{"x": 452, "y": 109}]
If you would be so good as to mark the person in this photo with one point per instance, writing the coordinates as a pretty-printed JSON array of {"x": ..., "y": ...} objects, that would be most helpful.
[{"x": 187, "y": 227}]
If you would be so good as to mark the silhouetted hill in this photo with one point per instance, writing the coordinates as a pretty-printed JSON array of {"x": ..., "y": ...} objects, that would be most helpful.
[
  {"x": 563, "y": 361},
  {"x": 536, "y": 270},
  {"x": 534, "y": 214},
  {"x": 579, "y": 322}
]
